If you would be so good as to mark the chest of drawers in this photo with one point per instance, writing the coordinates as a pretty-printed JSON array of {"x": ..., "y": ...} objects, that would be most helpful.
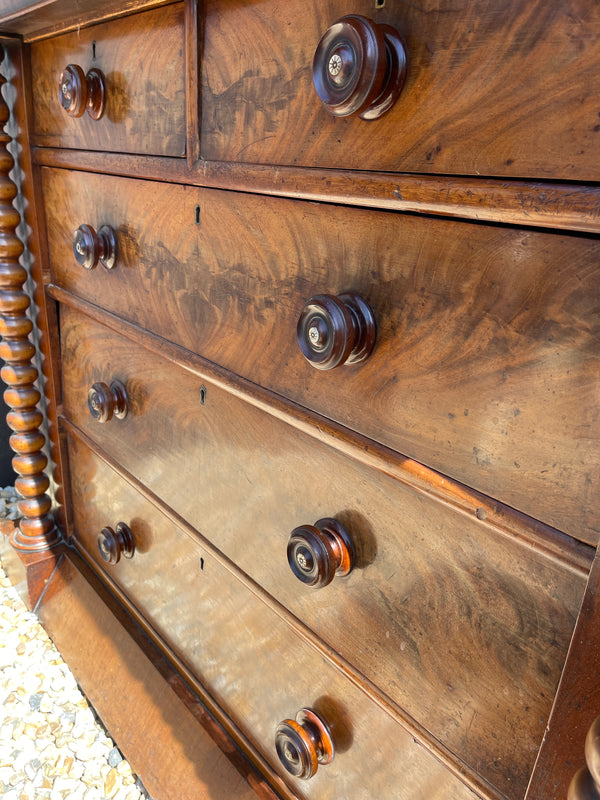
[{"x": 307, "y": 427}]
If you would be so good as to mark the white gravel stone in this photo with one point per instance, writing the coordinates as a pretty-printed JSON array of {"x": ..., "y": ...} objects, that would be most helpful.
[{"x": 51, "y": 745}]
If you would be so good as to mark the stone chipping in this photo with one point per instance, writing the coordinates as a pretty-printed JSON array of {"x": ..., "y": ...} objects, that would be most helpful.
[{"x": 52, "y": 746}]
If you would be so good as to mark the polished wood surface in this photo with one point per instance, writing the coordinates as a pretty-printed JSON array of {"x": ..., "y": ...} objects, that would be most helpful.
[
  {"x": 127, "y": 682},
  {"x": 492, "y": 89},
  {"x": 207, "y": 616},
  {"x": 565, "y": 550},
  {"x": 37, "y": 531},
  {"x": 35, "y": 19},
  {"x": 145, "y": 96},
  {"x": 328, "y": 418},
  {"x": 417, "y": 612},
  {"x": 567, "y": 207},
  {"x": 576, "y": 705},
  {"x": 486, "y": 336}
]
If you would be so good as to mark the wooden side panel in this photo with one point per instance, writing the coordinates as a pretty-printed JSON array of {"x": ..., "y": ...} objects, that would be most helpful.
[
  {"x": 487, "y": 337},
  {"x": 173, "y": 754},
  {"x": 506, "y": 89},
  {"x": 145, "y": 91},
  {"x": 253, "y": 664},
  {"x": 577, "y": 704},
  {"x": 464, "y": 629}
]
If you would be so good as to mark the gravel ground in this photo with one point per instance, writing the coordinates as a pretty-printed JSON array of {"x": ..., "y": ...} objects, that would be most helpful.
[{"x": 52, "y": 746}]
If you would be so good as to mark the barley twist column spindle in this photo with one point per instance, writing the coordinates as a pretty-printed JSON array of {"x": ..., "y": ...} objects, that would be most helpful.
[{"x": 37, "y": 531}]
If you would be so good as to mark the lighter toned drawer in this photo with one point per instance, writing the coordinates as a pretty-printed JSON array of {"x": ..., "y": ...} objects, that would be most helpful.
[
  {"x": 256, "y": 668},
  {"x": 144, "y": 105},
  {"x": 485, "y": 365},
  {"x": 464, "y": 628},
  {"x": 491, "y": 89}
]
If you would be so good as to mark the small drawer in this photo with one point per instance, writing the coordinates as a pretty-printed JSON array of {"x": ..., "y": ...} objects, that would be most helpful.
[
  {"x": 256, "y": 668},
  {"x": 464, "y": 628},
  {"x": 483, "y": 95},
  {"x": 117, "y": 70},
  {"x": 485, "y": 359}
]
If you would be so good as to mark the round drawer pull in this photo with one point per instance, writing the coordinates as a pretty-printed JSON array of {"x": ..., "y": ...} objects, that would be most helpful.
[
  {"x": 79, "y": 92},
  {"x": 359, "y": 68},
  {"x": 90, "y": 247},
  {"x": 104, "y": 401},
  {"x": 317, "y": 553},
  {"x": 586, "y": 783},
  {"x": 114, "y": 544},
  {"x": 336, "y": 330},
  {"x": 304, "y": 743}
]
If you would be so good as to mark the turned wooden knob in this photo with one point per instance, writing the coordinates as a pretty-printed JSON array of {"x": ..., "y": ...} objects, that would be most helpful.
[
  {"x": 104, "y": 401},
  {"x": 359, "y": 68},
  {"x": 586, "y": 783},
  {"x": 79, "y": 92},
  {"x": 90, "y": 247},
  {"x": 117, "y": 543},
  {"x": 317, "y": 553},
  {"x": 336, "y": 330},
  {"x": 304, "y": 743}
]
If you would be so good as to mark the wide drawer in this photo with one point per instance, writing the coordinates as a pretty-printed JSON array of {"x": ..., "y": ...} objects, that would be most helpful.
[
  {"x": 507, "y": 89},
  {"x": 256, "y": 668},
  {"x": 464, "y": 628},
  {"x": 486, "y": 360},
  {"x": 144, "y": 90}
]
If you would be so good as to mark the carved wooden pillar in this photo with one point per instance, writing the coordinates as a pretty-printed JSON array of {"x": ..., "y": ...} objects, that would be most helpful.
[{"x": 37, "y": 532}]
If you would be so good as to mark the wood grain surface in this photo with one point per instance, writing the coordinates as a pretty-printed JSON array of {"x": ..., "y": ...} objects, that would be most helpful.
[
  {"x": 145, "y": 94},
  {"x": 560, "y": 206},
  {"x": 220, "y": 628},
  {"x": 505, "y": 89},
  {"x": 125, "y": 685},
  {"x": 486, "y": 364},
  {"x": 464, "y": 629}
]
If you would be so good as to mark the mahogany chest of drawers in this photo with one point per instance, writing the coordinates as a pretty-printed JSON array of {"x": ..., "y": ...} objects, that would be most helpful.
[{"x": 306, "y": 419}]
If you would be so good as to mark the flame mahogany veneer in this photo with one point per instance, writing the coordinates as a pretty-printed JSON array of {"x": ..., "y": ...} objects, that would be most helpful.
[{"x": 321, "y": 503}]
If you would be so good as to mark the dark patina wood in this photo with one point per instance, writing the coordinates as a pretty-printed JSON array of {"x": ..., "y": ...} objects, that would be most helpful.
[
  {"x": 508, "y": 522},
  {"x": 206, "y": 614},
  {"x": 36, "y": 532},
  {"x": 573, "y": 207},
  {"x": 414, "y": 558},
  {"x": 336, "y": 460},
  {"x": 144, "y": 108},
  {"x": 94, "y": 635},
  {"x": 486, "y": 336},
  {"x": 485, "y": 92},
  {"x": 577, "y": 705}
]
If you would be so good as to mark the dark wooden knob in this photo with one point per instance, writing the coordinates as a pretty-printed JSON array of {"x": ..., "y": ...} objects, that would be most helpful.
[
  {"x": 304, "y": 743},
  {"x": 104, "y": 401},
  {"x": 79, "y": 92},
  {"x": 336, "y": 330},
  {"x": 90, "y": 247},
  {"x": 317, "y": 553},
  {"x": 117, "y": 543},
  {"x": 586, "y": 783},
  {"x": 359, "y": 68}
]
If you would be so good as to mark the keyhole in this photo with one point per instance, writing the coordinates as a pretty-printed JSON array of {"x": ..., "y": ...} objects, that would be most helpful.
[
  {"x": 201, "y": 563},
  {"x": 197, "y": 215},
  {"x": 93, "y": 51},
  {"x": 202, "y": 395},
  {"x": 379, "y": 3}
]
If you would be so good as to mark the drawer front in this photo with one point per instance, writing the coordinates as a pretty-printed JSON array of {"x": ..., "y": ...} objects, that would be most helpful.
[
  {"x": 144, "y": 91},
  {"x": 486, "y": 360},
  {"x": 219, "y": 628},
  {"x": 485, "y": 92},
  {"x": 465, "y": 629}
]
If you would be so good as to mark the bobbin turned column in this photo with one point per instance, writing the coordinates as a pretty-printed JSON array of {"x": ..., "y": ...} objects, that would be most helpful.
[{"x": 37, "y": 532}]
